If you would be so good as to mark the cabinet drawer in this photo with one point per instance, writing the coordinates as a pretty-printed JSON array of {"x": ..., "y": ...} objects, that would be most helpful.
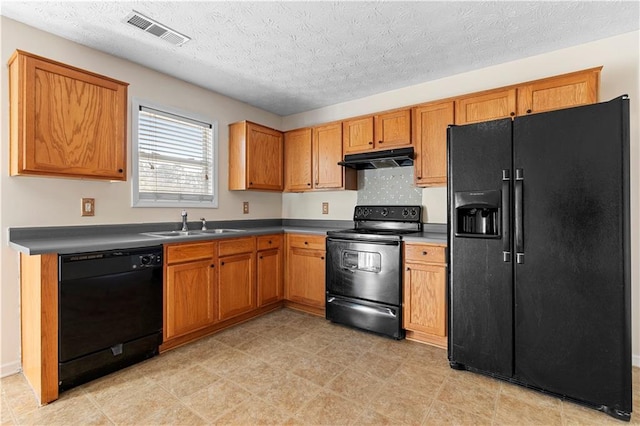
[
  {"x": 186, "y": 252},
  {"x": 424, "y": 253},
  {"x": 267, "y": 242},
  {"x": 315, "y": 242},
  {"x": 236, "y": 246}
]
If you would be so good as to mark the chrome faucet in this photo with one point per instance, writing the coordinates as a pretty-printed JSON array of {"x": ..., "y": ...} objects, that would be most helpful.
[
  {"x": 204, "y": 223},
  {"x": 184, "y": 221}
]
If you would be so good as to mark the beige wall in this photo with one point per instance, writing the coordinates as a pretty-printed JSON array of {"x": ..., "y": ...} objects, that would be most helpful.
[
  {"x": 618, "y": 55},
  {"x": 29, "y": 201},
  {"x": 26, "y": 201}
]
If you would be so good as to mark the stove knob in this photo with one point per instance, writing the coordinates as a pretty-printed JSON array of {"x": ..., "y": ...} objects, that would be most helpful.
[
  {"x": 384, "y": 212},
  {"x": 405, "y": 212},
  {"x": 145, "y": 260},
  {"x": 414, "y": 212},
  {"x": 358, "y": 212}
]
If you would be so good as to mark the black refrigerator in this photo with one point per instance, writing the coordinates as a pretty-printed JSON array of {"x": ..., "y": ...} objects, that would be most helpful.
[{"x": 539, "y": 262}]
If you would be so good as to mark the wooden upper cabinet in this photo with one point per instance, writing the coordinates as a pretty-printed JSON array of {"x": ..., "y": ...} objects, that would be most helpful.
[
  {"x": 297, "y": 160},
  {"x": 392, "y": 129},
  {"x": 565, "y": 91},
  {"x": 327, "y": 152},
  {"x": 430, "y": 124},
  {"x": 357, "y": 135},
  {"x": 256, "y": 155},
  {"x": 65, "y": 121},
  {"x": 382, "y": 131},
  {"x": 486, "y": 106},
  {"x": 311, "y": 160}
]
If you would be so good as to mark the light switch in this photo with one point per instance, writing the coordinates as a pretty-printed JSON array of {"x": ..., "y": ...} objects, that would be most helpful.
[
  {"x": 88, "y": 206},
  {"x": 325, "y": 208}
]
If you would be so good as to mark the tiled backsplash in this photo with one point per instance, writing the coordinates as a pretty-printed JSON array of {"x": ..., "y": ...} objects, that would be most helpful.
[{"x": 392, "y": 186}]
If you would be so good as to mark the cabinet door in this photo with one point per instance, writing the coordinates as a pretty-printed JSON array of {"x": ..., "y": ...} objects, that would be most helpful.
[
  {"x": 297, "y": 160},
  {"x": 306, "y": 277},
  {"x": 424, "y": 299},
  {"x": 327, "y": 152},
  {"x": 430, "y": 124},
  {"x": 269, "y": 276},
  {"x": 189, "y": 297},
  {"x": 559, "y": 92},
  {"x": 264, "y": 158},
  {"x": 485, "y": 107},
  {"x": 393, "y": 129},
  {"x": 66, "y": 121},
  {"x": 357, "y": 135},
  {"x": 236, "y": 285}
]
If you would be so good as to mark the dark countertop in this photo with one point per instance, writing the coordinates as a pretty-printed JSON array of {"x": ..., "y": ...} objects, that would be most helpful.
[{"x": 78, "y": 239}]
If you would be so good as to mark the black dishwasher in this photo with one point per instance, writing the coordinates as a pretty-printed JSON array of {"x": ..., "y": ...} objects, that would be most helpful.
[{"x": 109, "y": 310}]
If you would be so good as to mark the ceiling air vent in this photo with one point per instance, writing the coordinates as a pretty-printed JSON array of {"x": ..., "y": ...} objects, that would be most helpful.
[{"x": 138, "y": 20}]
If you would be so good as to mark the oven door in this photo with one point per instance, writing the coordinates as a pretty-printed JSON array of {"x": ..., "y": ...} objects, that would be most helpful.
[{"x": 364, "y": 270}]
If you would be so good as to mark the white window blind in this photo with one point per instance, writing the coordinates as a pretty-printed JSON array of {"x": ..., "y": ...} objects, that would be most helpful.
[{"x": 175, "y": 159}]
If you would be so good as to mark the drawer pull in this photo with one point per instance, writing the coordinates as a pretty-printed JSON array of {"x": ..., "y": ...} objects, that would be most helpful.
[
  {"x": 424, "y": 253},
  {"x": 213, "y": 266},
  {"x": 306, "y": 243}
]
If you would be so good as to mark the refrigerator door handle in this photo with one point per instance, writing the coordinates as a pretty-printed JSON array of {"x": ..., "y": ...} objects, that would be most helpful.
[
  {"x": 506, "y": 210},
  {"x": 518, "y": 216}
]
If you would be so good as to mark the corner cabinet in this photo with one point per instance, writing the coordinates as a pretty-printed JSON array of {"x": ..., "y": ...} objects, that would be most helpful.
[
  {"x": 305, "y": 281},
  {"x": 256, "y": 155},
  {"x": 430, "y": 122},
  {"x": 65, "y": 121},
  {"x": 189, "y": 294},
  {"x": 311, "y": 160},
  {"x": 424, "y": 293}
]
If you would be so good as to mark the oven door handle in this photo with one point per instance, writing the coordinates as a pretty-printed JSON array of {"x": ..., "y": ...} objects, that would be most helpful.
[
  {"x": 376, "y": 242},
  {"x": 381, "y": 311}
]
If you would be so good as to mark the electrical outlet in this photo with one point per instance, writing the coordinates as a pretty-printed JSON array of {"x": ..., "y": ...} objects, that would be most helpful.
[
  {"x": 88, "y": 206},
  {"x": 325, "y": 208},
  {"x": 245, "y": 207}
]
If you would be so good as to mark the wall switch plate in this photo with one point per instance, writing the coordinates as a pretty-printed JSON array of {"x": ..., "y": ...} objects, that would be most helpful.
[
  {"x": 325, "y": 208},
  {"x": 245, "y": 207},
  {"x": 88, "y": 206}
]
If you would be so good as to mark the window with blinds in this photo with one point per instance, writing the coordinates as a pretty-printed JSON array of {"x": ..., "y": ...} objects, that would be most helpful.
[{"x": 175, "y": 159}]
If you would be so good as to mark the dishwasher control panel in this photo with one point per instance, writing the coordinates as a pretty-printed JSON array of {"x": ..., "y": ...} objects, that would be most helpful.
[{"x": 146, "y": 261}]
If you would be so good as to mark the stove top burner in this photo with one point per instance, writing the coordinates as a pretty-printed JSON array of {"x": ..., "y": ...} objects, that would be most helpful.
[{"x": 382, "y": 222}]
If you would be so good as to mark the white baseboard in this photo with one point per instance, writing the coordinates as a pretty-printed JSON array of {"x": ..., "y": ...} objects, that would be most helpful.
[
  {"x": 635, "y": 360},
  {"x": 9, "y": 368}
]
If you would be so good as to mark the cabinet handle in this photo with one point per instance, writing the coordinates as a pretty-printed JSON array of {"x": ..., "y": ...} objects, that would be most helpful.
[
  {"x": 260, "y": 257},
  {"x": 306, "y": 243},
  {"x": 408, "y": 269},
  {"x": 309, "y": 184},
  {"x": 222, "y": 263},
  {"x": 380, "y": 141},
  {"x": 424, "y": 253},
  {"x": 370, "y": 143},
  {"x": 250, "y": 183},
  {"x": 528, "y": 111},
  {"x": 120, "y": 170},
  {"x": 322, "y": 258},
  {"x": 316, "y": 183},
  {"x": 269, "y": 241},
  {"x": 512, "y": 114},
  {"x": 213, "y": 266}
]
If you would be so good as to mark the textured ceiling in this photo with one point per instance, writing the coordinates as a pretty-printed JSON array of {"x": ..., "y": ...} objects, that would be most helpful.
[{"x": 290, "y": 57}]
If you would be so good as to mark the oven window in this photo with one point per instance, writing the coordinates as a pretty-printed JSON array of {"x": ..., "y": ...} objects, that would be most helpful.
[{"x": 361, "y": 260}]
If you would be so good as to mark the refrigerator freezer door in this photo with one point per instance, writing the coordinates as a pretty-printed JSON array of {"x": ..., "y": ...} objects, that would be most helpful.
[
  {"x": 480, "y": 281},
  {"x": 572, "y": 304}
]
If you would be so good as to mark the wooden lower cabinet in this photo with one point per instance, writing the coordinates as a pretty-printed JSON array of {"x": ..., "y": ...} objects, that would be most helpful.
[
  {"x": 424, "y": 293},
  {"x": 190, "y": 278},
  {"x": 305, "y": 282},
  {"x": 236, "y": 287},
  {"x": 269, "y": 269}
]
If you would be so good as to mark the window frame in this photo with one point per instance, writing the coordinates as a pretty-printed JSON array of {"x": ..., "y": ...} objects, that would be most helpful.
[{"x": 136, "y": 201}]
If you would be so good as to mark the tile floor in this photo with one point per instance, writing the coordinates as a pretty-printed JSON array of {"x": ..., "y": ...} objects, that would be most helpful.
[{"x": 292, "y": 368}]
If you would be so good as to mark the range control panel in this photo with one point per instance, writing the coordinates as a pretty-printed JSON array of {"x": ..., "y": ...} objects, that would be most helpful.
[{"x": 388, "y": 213}]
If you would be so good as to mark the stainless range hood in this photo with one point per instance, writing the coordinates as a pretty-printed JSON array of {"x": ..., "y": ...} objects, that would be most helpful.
[{"x": 400, "y": 157}]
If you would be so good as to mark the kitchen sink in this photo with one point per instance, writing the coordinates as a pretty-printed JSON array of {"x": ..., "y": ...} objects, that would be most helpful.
[{"x": 162, "y": 234}]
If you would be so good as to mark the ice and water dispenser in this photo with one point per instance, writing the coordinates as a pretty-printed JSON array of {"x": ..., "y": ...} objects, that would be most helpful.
[{"x": 477, "y": 214}]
